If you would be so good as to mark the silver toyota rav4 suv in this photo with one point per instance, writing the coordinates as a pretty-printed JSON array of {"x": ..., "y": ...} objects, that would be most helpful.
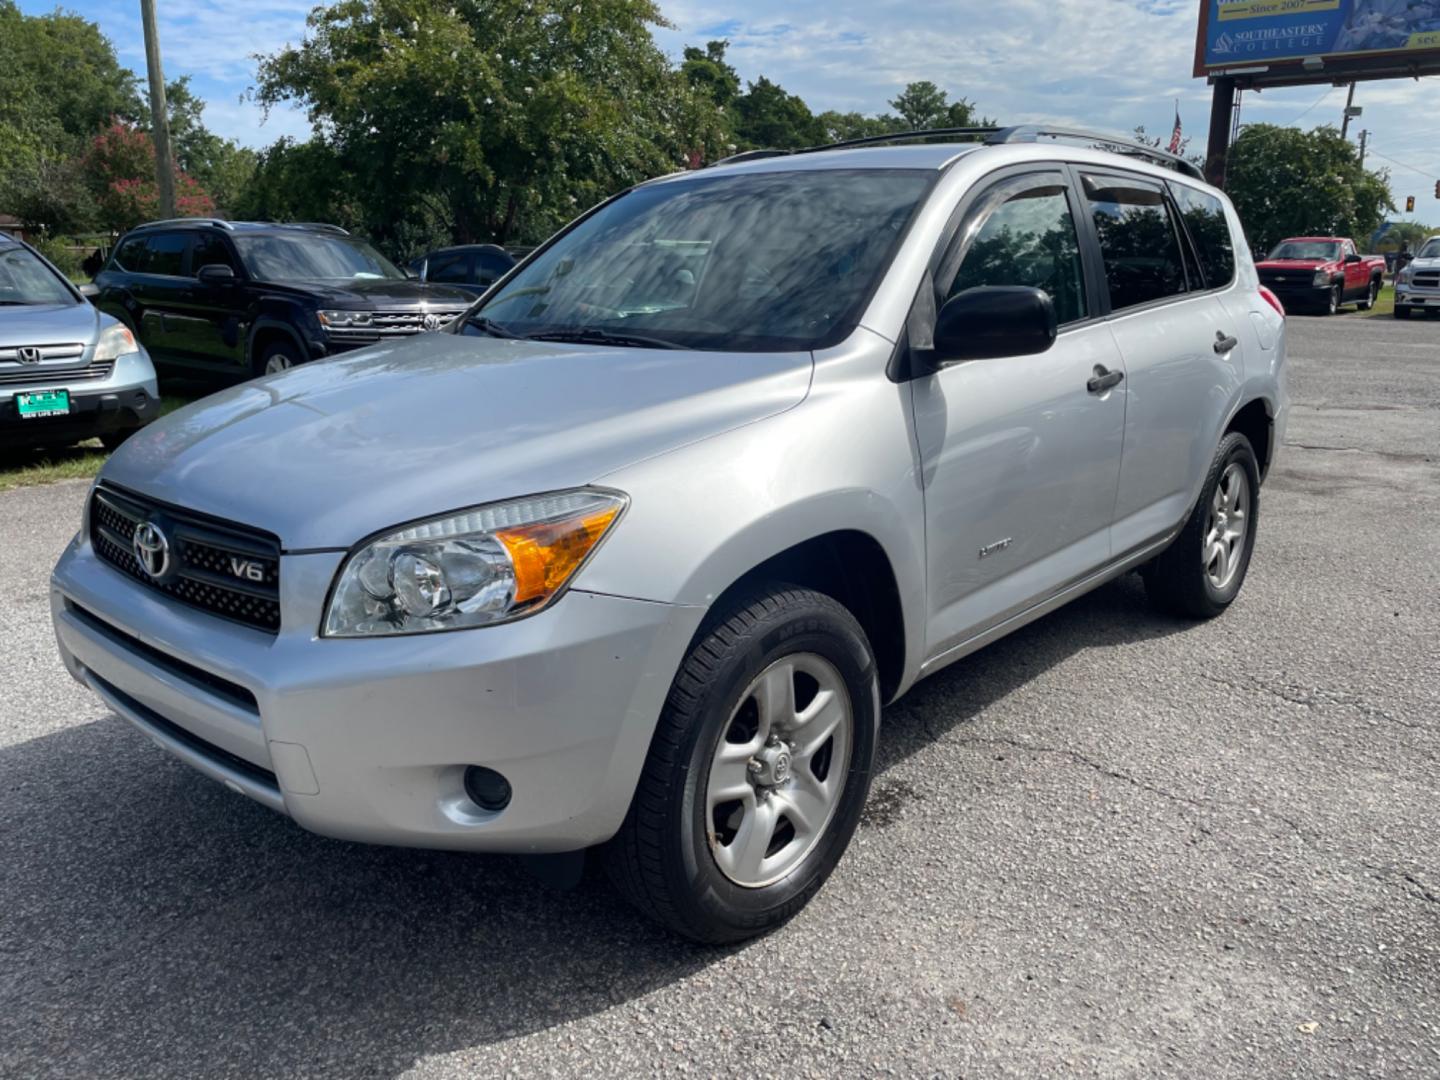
[{"x": 632, "y": 557}]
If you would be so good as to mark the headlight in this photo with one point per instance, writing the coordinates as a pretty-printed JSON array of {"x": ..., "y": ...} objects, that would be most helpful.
[
  {"x": 340, "y": 320},
  {"x": 477, "y": 567},
  {"x": 115, "y": 342},
  {"x": 1321, "y": 279},
  {"x": 1403, "y": 278}
]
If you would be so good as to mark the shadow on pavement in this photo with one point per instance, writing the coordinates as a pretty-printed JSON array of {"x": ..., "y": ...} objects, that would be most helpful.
[{"x": 152, "y": 924}]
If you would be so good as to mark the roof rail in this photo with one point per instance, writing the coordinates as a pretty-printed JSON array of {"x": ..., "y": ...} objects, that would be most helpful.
[
  {"x": 917, "y": 135},
  {"x": 217, "y": 222},
  {"x": 1030, "y": 133},
  {"x": 750, "y": 155},
  {"x": 315, "y": 226}
]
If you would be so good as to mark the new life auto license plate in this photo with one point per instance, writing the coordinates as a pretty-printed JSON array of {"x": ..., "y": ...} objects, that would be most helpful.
[{"x": 40, "y": 403}]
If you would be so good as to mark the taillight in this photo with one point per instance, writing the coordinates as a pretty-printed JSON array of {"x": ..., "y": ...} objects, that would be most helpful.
[{"x": 1272, "y": 300}]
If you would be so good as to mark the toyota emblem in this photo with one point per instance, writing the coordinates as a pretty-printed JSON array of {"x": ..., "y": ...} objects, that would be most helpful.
[
  {"x": 29, "y": 354},
  {"x": 152, "y": 549}
]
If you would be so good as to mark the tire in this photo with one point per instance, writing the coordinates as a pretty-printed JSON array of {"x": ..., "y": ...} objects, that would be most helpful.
[
  {"x": 681, "y": 855},
  {"x": 1332, "y": 305},
  {"x": 1188, "y": 578},
  {"x": 1402, "y": 312},
  {"x": 276, "y": 357},
  {"x": 111, "y": 440},
  {"x": 1371, "y": 296}
]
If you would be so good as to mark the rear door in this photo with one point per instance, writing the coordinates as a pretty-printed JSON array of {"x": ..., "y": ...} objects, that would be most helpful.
[
  {"x": 159, "y": 288},
  {"x": 215, "y": 326},
  {"x": 1182, "y": 350}
]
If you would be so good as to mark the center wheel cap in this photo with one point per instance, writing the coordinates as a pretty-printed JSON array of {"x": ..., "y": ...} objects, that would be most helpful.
[{"x": 774, "y": 766}]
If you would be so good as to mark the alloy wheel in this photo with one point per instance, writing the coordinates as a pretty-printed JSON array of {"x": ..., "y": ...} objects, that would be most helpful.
[
  {"x": 778, "y": 770},
  {"x": 278, "y": 362},
  {"x": 1227, "y": 529}
]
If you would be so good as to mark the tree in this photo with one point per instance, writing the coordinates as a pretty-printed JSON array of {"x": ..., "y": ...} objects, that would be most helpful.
[
  {"x": 1287, "y": 182},
  {"x": 222, "y": 167},
  {"x": 923, "y": 105},
  {"x": 494, "y": 119},
  {"x": 838, "y": 127},
  {"x": 120, "y": 170},
  {"x": 768, "y": 116},
  {"x": 707, "y": 70}
]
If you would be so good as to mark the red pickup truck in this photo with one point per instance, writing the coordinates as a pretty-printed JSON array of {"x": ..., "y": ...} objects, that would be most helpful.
[{"x": 1319, "y": 273}]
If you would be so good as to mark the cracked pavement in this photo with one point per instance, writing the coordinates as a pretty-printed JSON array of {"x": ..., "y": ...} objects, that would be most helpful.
[{"x": 1110, "y": 845}]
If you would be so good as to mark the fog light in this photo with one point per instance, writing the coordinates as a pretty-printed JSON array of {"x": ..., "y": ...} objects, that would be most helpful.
[{"x": 487, "y": 788}]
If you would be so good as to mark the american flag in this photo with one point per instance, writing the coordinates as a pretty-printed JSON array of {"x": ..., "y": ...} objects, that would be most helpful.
[{"x": 1174, "y": 147}]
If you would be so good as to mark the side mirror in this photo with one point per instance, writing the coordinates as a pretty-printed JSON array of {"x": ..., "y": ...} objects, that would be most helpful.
[
  {"x": 994, "y": 321},
  {"x": 1352, "y": 258},
  {"x": 216, "y": 274}
]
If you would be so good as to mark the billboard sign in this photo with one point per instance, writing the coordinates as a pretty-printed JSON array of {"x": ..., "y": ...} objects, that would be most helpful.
[{"x": 1246, "y": 33}]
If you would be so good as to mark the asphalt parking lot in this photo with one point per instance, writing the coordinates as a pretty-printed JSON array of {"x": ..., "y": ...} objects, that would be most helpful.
[{"x": 1110, "y": 845}]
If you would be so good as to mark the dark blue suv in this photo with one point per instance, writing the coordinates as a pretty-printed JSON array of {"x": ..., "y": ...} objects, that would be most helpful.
[{"x": 238, "y": 298}]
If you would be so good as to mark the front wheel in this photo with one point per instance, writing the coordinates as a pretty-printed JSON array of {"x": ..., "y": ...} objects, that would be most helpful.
[
  {"x": 1332, "y": 302},
  {"x": 276, "y": 357},
  {"x": 1201, "y": 572},
  {"x": 1371, "y": 296},
  {"x": 757, "y": 772}
]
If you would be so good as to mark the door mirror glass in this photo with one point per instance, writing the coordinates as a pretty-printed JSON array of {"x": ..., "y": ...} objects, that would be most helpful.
[
  {"x": 1352, "y": 258},
  {"x": 991, "y": 321},
  {"x": 216, "y": 274}
]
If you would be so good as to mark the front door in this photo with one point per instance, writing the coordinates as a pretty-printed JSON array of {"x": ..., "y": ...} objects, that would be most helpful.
[{"x": 1020, "y": 455}]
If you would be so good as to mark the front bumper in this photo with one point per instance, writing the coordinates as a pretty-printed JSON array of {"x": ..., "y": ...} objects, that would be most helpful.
[
  {"x": 1412, "y": 296},
  {"x": 125, "y": 400},
  {"x": 368, "y": 740},
  {"x": 1298, "y": 295}
]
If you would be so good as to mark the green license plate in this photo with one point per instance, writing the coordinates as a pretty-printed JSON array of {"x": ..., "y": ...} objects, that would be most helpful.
[{"x": 43, "y": 403}]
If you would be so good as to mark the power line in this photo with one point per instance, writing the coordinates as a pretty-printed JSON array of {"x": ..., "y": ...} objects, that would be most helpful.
[
  {"x": 1412, "y": 168},
  {"x": 1316, "y": 103}
]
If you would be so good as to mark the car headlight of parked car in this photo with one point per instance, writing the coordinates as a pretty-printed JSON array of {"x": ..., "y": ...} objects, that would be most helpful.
[
  {"x": 1403, "y": 278},
  {"x": 343, "y": 320},
  {"x": 1321, "y": 279},
  {"x": 115, "y": 342},
  {"x": 473, "y": 568}
]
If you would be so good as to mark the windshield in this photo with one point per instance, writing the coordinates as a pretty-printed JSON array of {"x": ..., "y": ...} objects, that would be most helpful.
[
  {"x": 312, "y": 257},
  {"x": 739, "y": 263},
  {"x": 1431, "y": 250},
  {"x": 1307, "y": 249},
  {"x": 24, "y": 279}
]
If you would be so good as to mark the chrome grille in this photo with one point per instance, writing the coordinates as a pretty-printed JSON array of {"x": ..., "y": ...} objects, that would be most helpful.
[
  {"x": 203, "y": 549},
  {"x": 386, "y": 324},
  {"x": 44, "y": 374},
  {"x": 1426, "y": 281}
]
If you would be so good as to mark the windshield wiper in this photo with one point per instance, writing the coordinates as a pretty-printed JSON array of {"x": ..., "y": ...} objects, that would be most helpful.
[
  {"x": 594, "y": 335},
  {"x": 491, "y": 327}
]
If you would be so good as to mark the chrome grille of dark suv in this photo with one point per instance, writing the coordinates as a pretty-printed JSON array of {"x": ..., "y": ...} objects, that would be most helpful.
[
  {"x": 211, "y": 557},
  {"x": 385, "y": 324}
]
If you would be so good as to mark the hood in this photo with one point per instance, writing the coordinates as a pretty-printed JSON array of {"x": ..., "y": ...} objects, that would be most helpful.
[
  {"x": 1294, "y": 264},
  {"x": 48, "y": 324},
  {"x": 385, "y": 293},
  {"x": 1424, "y": 264},
  {"x": 329, "y": 452}
]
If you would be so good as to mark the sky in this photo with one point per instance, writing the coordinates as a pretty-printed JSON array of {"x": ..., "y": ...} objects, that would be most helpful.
[{"x": 1102, "y": 64}]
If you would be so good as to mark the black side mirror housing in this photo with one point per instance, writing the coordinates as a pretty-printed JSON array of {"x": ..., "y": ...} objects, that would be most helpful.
[
  {"x": 992, "y": 321},
  {"x": 1352, "y": 258},
  {"x": 216, "y": 274}
]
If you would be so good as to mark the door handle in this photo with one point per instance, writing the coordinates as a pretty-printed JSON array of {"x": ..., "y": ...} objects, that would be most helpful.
[
  {"x": 1224, "y": 342},
  {"x": 1103, "y": 380}
]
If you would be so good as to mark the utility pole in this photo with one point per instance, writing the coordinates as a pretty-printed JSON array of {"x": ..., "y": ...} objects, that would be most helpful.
[
  {"x": 1364, "y": 137},
  {"x": 1222, "y": 114},
  {"x": 1349, "y": 103},
  {"x": 159, "y": 115}
]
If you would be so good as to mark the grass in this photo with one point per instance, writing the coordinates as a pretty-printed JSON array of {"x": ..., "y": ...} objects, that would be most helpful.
[{"x": 26, "y": 468}]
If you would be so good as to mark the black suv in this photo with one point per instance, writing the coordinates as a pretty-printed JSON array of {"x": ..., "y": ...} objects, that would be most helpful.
[
  {"x": 472, "y": 267},
  {"x": 242, "y": 298}
]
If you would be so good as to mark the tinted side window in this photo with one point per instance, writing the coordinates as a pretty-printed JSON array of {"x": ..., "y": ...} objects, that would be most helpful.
[
  {"x": 131, "y": 255},
  {"x": 165, "y": 253},
  {"x": 449, "y": 268},
  {"x": 493, "y": 264},
  {"x": 211, "y": 250},
  {"x": 1137, "y": 240},
  {"x": 1029, "y": 239},
  {"x": 1204, "y": 216}
]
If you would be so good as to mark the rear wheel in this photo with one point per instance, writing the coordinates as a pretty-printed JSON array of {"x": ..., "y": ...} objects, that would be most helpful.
[
  {"x": 1200, "y": 574},
  {"x": 757, "y": 772}
]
